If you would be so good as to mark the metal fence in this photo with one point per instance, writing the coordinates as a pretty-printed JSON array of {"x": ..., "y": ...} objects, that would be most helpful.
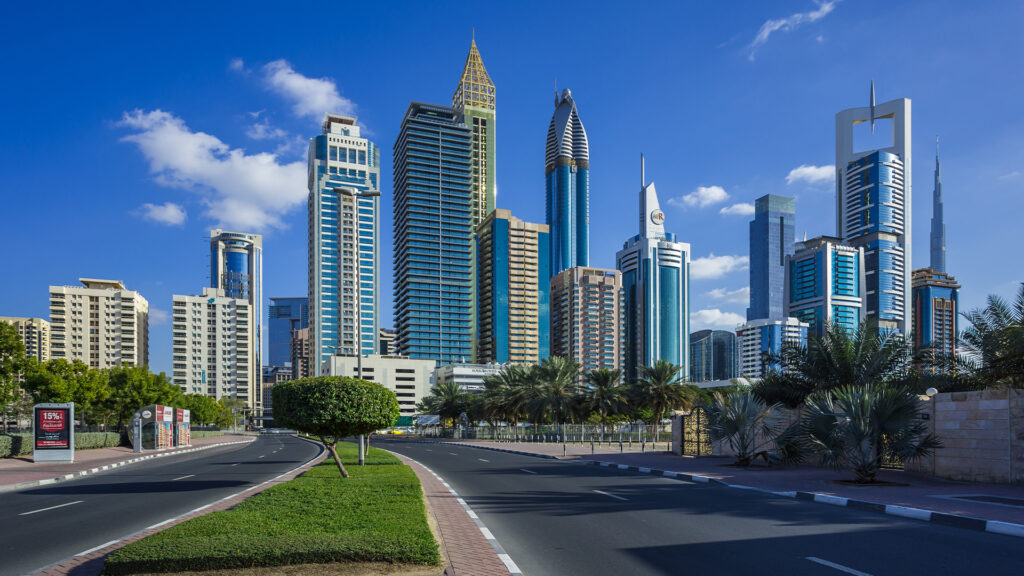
[{"x": 629, "y": 436}]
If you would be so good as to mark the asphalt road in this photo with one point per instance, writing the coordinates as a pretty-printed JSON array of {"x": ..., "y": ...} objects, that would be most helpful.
[
  {"x": 560, "y": 518},
  {"x": 43, "y": 525}
]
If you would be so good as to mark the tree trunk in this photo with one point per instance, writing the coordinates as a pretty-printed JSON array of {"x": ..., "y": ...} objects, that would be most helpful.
[{"x": 334, "y": 453}]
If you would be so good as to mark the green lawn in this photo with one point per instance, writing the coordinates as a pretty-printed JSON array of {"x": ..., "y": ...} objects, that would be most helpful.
[{"x": 375, "y": 515}]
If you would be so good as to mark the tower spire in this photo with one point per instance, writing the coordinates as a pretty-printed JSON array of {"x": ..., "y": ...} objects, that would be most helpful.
[
  {"x": 938, "y": 235},
  {"x": 872, "y": 106},
  {"x": 643, "y": 181}
]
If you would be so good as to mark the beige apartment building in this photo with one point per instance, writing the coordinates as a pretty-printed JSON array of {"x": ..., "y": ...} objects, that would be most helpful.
[
  {"x": 302, "y": 354},
  {"x": 34, "y": 334},
  {"x": 587, "y": 316},
  {"x": 100, "y": 323},
  {"x": 408, "y": 378}
]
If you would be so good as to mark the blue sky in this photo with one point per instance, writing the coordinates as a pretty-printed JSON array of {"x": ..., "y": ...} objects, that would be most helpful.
[{"x": 131, "y": 129}]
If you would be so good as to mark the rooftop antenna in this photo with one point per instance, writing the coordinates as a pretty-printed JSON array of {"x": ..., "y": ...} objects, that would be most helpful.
[
  {"x": 556, "y": 91},
  {"x": 872, "y": 106},
  {"x": 474, "y": 35}
]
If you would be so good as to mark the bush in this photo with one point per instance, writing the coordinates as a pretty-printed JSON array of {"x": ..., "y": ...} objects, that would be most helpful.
[
  {"x": 15, "y": 444},
  {"x": 90, "y": 440},
  {"x": 206, "y": 433},
  {"x": 377, "y": 515},
  {"x": 20, "y": 444}
]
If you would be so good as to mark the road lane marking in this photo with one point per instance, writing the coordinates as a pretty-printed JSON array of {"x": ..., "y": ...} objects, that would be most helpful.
[
  {"x": 183, "y": 477},
  {"x": 264, "y": 456},
  {"x": 453, "y": 453},
  {"x": 839, "y": 567},
  {"x": 51, "y": 507},
  {"x": 482, "y": 460},
  {"x": 612, "y": 495},
  {"x": 527, "y": 471},
  {"x": 100, "y": 547},
  {"x": 236, "y": 463}
]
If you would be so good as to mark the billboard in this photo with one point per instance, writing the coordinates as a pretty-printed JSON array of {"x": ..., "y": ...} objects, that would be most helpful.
[{"x": 53, "y": 432}]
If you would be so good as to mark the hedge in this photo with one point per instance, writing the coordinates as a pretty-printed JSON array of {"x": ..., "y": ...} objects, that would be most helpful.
[
  {"x": 20, "y": 444},
  {"x": 206, "y": 433}
]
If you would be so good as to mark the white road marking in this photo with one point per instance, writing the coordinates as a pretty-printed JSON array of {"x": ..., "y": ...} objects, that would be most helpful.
[
  {"x": 100, "y": 547},
  {"x": 51, "y": 507},
  {"x": 183, "y": 477},
  {"x": 612, "y": 495},
  {"x": 429, "y": 450},
  {"x": 839, "y": 567},
  {"x": 453, "y": 453},
  {"x": 527, "y": 471},
  {"x": 264, "y": 456},
  {"x": 482, "y": 460},
  {"x": 236, "y": 463}
]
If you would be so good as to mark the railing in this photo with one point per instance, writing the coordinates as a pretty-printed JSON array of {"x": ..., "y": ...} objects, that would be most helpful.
[{"x": 637, "y": 436}]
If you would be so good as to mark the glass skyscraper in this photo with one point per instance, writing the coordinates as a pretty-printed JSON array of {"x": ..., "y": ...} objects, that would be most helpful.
[
  {"x": 236, "y": 266},
  {"x": 433, "y": 238},
  {"x": 656, "y": 292},
  {"x": 283, "y": 316},
  {"x": 825, "y": 284},
  {"x": 713, "y": 356},
  {"x": 344, "y": 189},
  {"x": 772, "y": 233},
  {"x": 938, "y": 237},
  {"x": 567, "y": 186},
  {"x": 936, "y": 305}
]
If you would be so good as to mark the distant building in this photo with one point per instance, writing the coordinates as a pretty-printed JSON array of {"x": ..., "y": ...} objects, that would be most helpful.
[
  {"x": 301, "y": 354},
  {"x": 513, "y": 283},
  {"x": 272, "y": 376},
  {"x": 825, "y": 284},
  {"x": 101, "y": 323},
  {"x": 936, "y": 306},
  {"x": 34, "y": 333},
  {"x": 387, "y": 342},
  {"x": 408, "y": 378},
  {"x": 470, "y": 377},
  {"x": 567, "y": 188},
  {"x": 474, "y": 99},
  {"x": 586, "y": 316},
  {"x": 236, "y": 266},
  {"x": 283, "y": 316},
  {"x": 760, "y": 338},
  {"x": 772, "y": 232},
  {"x": 214, "y": 347},
  {"x": 713, "y": 356},
  {"x": 938, "y": 236}
]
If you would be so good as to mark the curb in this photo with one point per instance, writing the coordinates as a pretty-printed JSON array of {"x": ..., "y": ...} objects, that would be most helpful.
[
  {"x": 955, "y": 520},
  {"x": 73, "y": 475},
  {"x": 491, "y": 448}
]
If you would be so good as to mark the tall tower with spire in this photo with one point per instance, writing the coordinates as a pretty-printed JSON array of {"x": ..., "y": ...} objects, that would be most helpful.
[
  {"x": 567, "y": 186},
  {"x": 938, "y": 260},
  {"x": 474, "y": 101}
]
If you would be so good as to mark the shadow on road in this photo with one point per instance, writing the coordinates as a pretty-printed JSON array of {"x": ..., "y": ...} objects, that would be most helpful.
[{"x": 140, "y": 487}]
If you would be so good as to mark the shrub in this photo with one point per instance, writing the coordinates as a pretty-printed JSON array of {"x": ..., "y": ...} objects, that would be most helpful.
[
  {"x": 15, "y": 444},
  {"x": 20, "y": 444},
  {"x": 745, "y": 421},
  {"x": 90, "y": 440},
  {"x": 206, "y": 433}
]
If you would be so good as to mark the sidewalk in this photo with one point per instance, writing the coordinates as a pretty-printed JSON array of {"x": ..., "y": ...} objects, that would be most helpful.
[
  {"x": 22, "y": 472},
  {"x": 1006, "y": 501}
]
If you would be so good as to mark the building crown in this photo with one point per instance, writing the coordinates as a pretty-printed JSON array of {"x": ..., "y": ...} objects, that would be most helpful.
[{"x": 475, "y": 87}]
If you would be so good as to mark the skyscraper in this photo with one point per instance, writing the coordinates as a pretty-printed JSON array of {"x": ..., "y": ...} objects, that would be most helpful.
[
  {"x": 344, "y": 241},
  {"x": 284, "y": 316},
  {"x": 433, "y": 238},
  {"x": 513, "y": 283},
  {"x": 586, "y": 316},
  {"x": 873, "y": 209},
  {"x": 567, "y": 187},
  {"x": 656, "y": 291},
  {"x": 759, "y": 339},
  {"x": 713, "y": 356},
  {"x": 100, "y": 323},
  {"x": 772, "y": 233},
  {"x": 936, "y": 306},
  {"x": 938, "y": 238},
  {"x": 236, "y": 267},
  {"x": 825, "y": 284},
  {"x": 474, "y": 102}
]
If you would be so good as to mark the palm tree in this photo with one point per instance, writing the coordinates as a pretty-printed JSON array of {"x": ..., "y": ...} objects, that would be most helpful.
[
  {"x": 836, "y": 359},
  {"x": 994, "y": 341},
  {"x": 742, "y": 418},
  {"x": 447, "y": 399},
  {"x": 557, "y": 393},
  {"x": 604, "y": 394},
  {"x": 661, "y": 389},
  {"x": 498, "y": 401}
]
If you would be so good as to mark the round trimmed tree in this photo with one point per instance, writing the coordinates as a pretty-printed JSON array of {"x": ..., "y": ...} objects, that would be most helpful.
[{"x": 332, "y": 408}]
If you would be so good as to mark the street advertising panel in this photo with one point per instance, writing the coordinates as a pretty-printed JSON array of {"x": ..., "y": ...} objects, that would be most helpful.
[
  {"x": 182, "y": 427},
  {"x": 164, "y": 433},
  {"x": 53, "y": 432}
]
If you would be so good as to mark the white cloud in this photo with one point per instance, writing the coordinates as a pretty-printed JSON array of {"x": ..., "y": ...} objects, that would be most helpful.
[
  {"x": 158, "y": 316},
  {"x": 716, "y": 266},
  {"x": 790, "y": 23},
  {"x": 237, "y": 65},
  {"x": 166, "y": 213},
  {"x": 264, "y": 131},
  {"x": 1011, "y": 175},
  {"x": 811, "y": 174},
  {"x": 738, "y": 296},
  {"x": 701, "y": 197},
  {"x": 715, "y": 318},
  {"x": 248, "y": 192},
  {"x": 741, "y": 209},
  {"x": 309, "y": 96}
]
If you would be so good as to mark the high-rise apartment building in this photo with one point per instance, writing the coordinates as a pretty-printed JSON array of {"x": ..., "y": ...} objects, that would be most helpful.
[
  {"x": 301, "y": 354},
  {"x": 474, "y": 102},
  {"x": 825, "y": 284},
  {"x": 34, "y": 333},
  {"x": 759, "y": 339},
  {"x": 713, "y": 356},
  {"x": 514, "y": 275},
  {"x": 936, "y": 305},
  {"x": 656, "y": 292},
  {"x": 772, "y": 232},
  {"x": 100, "y": 323},
  {"x": 214, "y": 346},
  {"x": 938, "y": 237},
  {"x": 387, "y": 342},
  {"x": 873, "y": 209},
  {"x": 344, "y": 241},
  {"x": 433, "y": 237},
  {"x": 284, "y": 316},
  {"x": 567, "y": 186},
  {"x": 236, "y": 266},
  {"x": 586, "y": 316}
]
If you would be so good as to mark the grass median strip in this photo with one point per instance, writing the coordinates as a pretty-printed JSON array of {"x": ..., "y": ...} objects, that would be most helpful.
[{"x": 375, "y": 515}]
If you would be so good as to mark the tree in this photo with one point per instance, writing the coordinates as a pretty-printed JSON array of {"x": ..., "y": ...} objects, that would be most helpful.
[
  {"x": 333, "y": 408},
  {"x": 857, "y": 427},
  {"x": 994, "y": 341},
  {"x": 63, "y": 381},
  {"x": 557, "y": 390},
  {"x": 230, "y": 409},
  {"x": 447, "y": 399},
  {"x": 605, "y": 395},
  {"x": 661, "y": 389},
  {"x": 742, "y": 418},
  {"x": 202, "y": 409},
  {"x": 12, "y": 363},
  {"x": 132, "y": 387}
]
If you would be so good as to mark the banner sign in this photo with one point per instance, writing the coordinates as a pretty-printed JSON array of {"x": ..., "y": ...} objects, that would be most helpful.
[{"x": 53, "y": 427}]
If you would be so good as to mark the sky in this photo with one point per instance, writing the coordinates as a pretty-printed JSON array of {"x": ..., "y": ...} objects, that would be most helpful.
[{"x": 130, "y": 129}]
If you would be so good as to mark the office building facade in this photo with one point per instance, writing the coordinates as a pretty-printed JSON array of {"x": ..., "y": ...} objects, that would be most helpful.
[
  {"x": 514, "y": 276},
  {"x": 759, "y": 339},
  {"x": 34, "y": 333},
  {"x": 101, "y": 323},
  {"x": 284, "y": 316},
  {"x": 772, "y": 233},
  {"x": 469, "y": 377},
  {"x": 586, "y": 317},
  {"x": 567, "y": 186},
  {"x": 344, "y": 241},
  {"x": 408, "y": 378},
  {"x": 713, "y": 356},
  {"x": 433, "y": 237},
  {"x": 825, "y": 284},
  {"x": 936, "y": 303}
]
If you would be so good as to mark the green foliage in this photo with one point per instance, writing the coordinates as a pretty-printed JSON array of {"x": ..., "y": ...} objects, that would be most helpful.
[
  {"x": 604, "y": 396},
  {"x": 20, "y": 444},
  {"x": 557, "y": 392},
  {"x": 63, "y": 381},
  {"x": 743, "y": 419},
  {"x": 91, "y": 440},
  {"x": 132, "y": 387},
  {"x": 661, "y": 389},
  {"x": 206, "y": 433},
  {"x": 12, "y": 364},
  {"x": 376, "y": 516},
  {"x": 15, "y": 444},
  {"x": 203, "y": 410},
  {"x": 994, "y": 342},
  {"x": 447, "y": 399}
]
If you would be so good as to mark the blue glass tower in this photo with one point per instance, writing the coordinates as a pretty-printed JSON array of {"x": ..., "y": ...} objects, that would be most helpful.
[
  {"x": 825, "y": 284},
  {"x": 567, "y": 186},
  {"x": 936, "y": 306},
  {"x": 344, "y": 243},
  {"x": 433, "y": 236},
  {"x": 283, "y": 316},
  {"x": 772, "y": 233},
  {"x": 236, "y": 266},
  {"x": 656, "y": 289},
  {"x": 713, "y": 356}
]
